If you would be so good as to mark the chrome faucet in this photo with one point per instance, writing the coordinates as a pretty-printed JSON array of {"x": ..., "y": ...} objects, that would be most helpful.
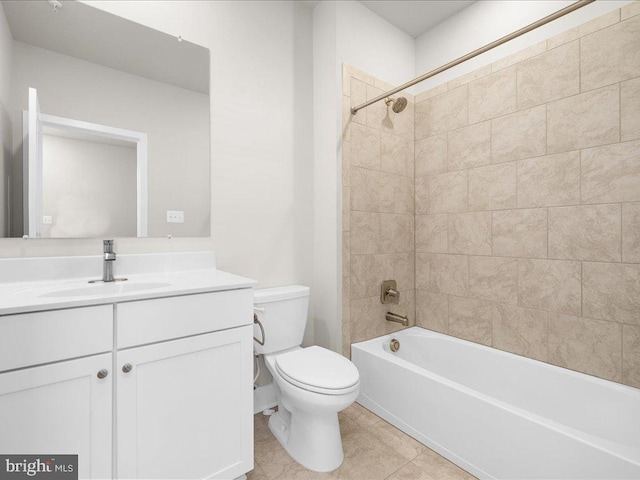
[{"x": 109, "y": 258}]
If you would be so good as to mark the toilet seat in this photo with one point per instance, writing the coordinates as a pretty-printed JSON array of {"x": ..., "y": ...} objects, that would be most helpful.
[{"x": 319, "y": 370}]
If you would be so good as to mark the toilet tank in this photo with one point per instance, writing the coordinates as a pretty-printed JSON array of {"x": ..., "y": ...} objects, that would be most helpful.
[{"x": 283, "y": 314}]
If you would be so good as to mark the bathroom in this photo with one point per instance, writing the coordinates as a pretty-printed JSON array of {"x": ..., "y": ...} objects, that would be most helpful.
[{"x": 495, "y": 211}]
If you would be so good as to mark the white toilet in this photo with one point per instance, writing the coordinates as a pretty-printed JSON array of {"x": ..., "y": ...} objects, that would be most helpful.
[{"x": 313, "y": 384}]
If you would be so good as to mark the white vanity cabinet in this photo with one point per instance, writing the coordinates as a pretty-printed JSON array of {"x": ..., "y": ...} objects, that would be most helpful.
[
  {"x": 51, "y": 401},
  {"x": 154, "y": 388},
  {"x": 183, "y": 407},
  {"x": 61, "y": 408}
]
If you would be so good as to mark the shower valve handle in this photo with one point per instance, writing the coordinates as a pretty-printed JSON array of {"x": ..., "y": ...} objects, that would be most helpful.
[{"x": 389, "y": 292}]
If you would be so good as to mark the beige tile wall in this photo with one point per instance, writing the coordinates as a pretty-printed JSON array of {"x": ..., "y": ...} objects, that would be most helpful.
[
  {"x": 378, "y": 208},
  {"x": 528, "y": 202},
  {"x": 525, "y": 229}
]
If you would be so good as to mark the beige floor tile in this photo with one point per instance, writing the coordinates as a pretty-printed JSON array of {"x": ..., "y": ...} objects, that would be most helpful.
[
  {"x": 439, "y": 467},
  {"x": 348, "y": 426},
  {"x": 402, "y": 443},
  {"x": 361, "y": 415},
  {"x": 257, "y": 474},
  {"x": 261, "y": 427},
  {"x": 272, "y": 459},
  {"x": 298, "y": 472},
  {"x": 367, "y": 457},
  {"x": 410, "y": 472},
  {"x": 630, "y": 10},
  {"x": 373, "y": 449}
]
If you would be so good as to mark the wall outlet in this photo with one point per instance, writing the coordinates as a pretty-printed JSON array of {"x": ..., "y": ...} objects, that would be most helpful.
[
  {"x": 47, "y": 220},
  {"x": 175, "y": 216}
]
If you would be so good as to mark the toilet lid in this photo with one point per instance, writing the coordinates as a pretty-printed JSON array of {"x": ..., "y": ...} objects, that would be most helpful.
[{"x": 318, "y": 367}]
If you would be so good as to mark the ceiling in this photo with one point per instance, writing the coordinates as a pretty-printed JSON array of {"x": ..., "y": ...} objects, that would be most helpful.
[{"x": 415, "y": 17}]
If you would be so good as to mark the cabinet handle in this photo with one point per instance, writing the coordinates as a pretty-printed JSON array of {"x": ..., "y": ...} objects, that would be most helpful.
[
  {"x": 127, "y": 367},
  {"x": 103, "y": 373}
]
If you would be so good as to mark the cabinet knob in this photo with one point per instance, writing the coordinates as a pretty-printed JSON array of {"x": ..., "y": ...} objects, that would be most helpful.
[
  {"x": 103, "y": 373},
  {"x": 127, "y": 367}
]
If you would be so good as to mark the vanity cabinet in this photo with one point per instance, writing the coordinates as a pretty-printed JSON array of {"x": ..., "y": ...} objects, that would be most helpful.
[
  {"x": 61, "y": 408},
  {"x": 162, "y": 388},
  {"x": 182, "y": 407}
]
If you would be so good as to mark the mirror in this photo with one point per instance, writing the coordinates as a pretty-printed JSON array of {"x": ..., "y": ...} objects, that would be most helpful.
[{"x": 104, "y": 126}]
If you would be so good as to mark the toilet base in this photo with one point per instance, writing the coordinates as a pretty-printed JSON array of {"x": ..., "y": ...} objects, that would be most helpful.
[{"x": 312, "y": 439}]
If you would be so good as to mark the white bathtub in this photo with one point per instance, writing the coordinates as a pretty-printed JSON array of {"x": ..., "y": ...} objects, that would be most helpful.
[{"x": 499, "y": 415}]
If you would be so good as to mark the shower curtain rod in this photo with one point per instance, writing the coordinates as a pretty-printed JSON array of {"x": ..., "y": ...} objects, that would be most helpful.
[{"x": 543, "y": 21}]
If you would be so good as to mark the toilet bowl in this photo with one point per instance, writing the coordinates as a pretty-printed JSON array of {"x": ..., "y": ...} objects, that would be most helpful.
[{"x": 312, "y": 384}]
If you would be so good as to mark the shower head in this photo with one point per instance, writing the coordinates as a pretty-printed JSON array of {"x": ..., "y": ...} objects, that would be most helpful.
[{"x": 399, "y": 104}]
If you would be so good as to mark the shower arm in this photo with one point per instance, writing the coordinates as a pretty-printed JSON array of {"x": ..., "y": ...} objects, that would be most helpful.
[{"x": 543, "y": 21}]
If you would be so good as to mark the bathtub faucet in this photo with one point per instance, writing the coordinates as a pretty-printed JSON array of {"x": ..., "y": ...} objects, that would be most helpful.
[{"x": 394, "y": 317}]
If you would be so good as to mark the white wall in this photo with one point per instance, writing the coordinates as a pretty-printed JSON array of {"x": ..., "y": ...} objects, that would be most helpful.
[
  {"x": 327, "y": 192},
  {"x": 89, "y": 188},
  {"x": 344, "y": 32},
  {"x": 487, "y": 20},
  {"x": 5, "y": 120},
  {"x": 5, "y": 58},
  {"x": 371, "y": 44}
]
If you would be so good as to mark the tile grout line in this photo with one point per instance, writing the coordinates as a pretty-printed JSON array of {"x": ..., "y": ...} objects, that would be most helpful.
[
  {"x": 620, "y": 112},
  {"x": 581, "y": 288},
  {"x": 547, "y": 218},
  {"x": 415, "y": 229},
  {"x": 621, "y": 233},
  {"x": 579, "y": 65},
  {"x": 622, "y": 376}
]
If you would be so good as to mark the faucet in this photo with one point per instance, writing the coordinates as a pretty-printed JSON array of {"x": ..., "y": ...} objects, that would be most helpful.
[
  {"x": 394, "y": 317},
  {"x": 389, "y": 292},
  {"x": 109, "y": 258}
]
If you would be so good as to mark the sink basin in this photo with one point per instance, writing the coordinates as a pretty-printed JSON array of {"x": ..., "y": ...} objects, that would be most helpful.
[{"x": 106, "y": 289}]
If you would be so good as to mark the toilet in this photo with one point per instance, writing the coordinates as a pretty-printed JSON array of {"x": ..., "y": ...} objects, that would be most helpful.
[{"x": 313, "y": 384}]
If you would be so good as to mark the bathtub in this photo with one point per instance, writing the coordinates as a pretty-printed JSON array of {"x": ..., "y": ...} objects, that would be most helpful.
[{"x": 499, "y": 415}]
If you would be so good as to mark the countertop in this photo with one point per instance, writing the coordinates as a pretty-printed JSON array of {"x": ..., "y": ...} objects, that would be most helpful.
[{"x": 24, "y": 297}]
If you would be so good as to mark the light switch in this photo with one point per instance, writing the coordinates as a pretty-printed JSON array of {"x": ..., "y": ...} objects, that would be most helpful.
[
  {"x": 47, "y": 220},
  {"x": 175, "y": 216}
]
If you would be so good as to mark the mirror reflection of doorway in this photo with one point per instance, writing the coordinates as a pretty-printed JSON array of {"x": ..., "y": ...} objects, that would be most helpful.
[
  {"x": 90, "y": 65},
  {"x": 82, "y": 179}
]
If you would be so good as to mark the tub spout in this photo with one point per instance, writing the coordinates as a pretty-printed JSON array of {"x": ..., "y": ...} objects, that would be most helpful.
[{"x": 394, "y": 317}]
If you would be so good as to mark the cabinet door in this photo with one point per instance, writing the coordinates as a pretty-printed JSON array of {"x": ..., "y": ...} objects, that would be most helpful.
[
  {"x": 184, "y": 407},
  {"x": 61, "y": 408}
]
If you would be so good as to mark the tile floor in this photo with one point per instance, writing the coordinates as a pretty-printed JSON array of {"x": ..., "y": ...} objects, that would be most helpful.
[{"x": 373, "y": 450}]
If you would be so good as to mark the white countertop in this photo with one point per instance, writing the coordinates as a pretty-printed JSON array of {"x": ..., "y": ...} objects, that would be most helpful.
[{"x": 34, "y": 296}]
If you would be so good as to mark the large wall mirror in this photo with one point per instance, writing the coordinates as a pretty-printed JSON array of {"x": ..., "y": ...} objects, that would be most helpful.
[{"x": 104, "y": 126}]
